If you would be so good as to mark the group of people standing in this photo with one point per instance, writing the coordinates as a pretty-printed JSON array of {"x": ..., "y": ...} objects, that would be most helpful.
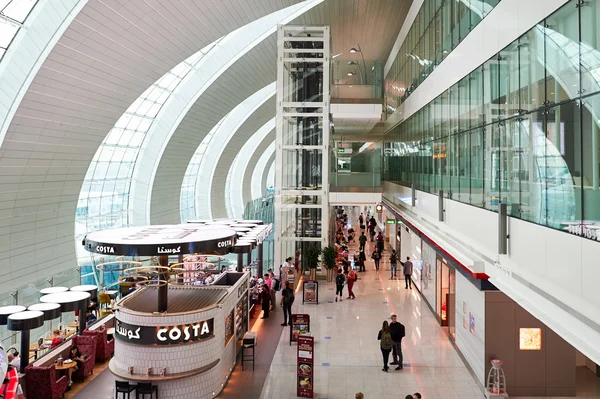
[
  {"x": 390, "y": 340},
  {"x": 345, "y": 274},
  {"x": 407, "y": 269}
]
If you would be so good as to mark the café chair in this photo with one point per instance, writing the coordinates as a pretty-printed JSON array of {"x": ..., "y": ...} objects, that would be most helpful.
[
  {"x": 42, "y": 383},
  {"x": 104, "y": 347},
  {"x": 125, "y": 388},
  {"x": 104, "y": 300},
  {"x": 87, "y": 346},
  {"x": 145, "y": 388}
]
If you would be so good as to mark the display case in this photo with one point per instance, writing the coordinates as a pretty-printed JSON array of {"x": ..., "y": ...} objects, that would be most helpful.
[
  {"x": 241, "y": 317},
  {"x": 228, "y": 328}
]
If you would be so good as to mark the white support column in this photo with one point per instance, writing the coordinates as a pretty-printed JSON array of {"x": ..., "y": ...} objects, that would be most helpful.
[{"x": 302, "y": 140}]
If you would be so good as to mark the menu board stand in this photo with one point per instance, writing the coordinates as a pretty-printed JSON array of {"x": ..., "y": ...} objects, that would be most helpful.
[
  {"x": 299, "y": 325},
  {"x": 310, "y": 291},
  {"x": 305, "y": 375}
]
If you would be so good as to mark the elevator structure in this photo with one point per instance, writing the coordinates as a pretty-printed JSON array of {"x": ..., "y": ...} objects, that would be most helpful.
[{"x": 302, "y": 151}]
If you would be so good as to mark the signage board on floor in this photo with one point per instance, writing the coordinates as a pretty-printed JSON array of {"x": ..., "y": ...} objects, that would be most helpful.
[
  {"x": 310, "y": 291},
  {"x": 300, "y": 325},
  {"x": 304, "y": 371}
]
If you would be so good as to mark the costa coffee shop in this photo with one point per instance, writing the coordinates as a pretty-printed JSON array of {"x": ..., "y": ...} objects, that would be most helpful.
[{"x": 181, "y": 337}]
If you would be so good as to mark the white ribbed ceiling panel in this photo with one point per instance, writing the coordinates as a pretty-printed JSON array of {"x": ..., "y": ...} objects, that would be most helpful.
[
  {"x": 265, "y": 160},
  {"x": 109, "y": 55},
  {"x": 246, "y": 180},
  {"x": 253, "y": 71}
]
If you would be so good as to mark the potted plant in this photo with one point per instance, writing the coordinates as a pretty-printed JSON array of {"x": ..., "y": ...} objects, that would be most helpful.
[
  {"x": 329, "y": 259},
  {"x": 312, "y": 259}
]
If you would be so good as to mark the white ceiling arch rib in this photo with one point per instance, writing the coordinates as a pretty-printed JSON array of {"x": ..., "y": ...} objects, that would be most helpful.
[
  {"x": 244, "y": 162},
  {"x": 265, "y": 159},
  {"x": 246, "y": 181},
  {"x": 110, "y": 53},
  {"x": 230, "y": 51},
  {"x": 241, "y": 118}
]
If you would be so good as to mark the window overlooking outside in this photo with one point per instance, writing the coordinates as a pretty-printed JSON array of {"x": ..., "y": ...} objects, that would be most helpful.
[
  {"x": 13, "y": 14},
  {"x": 104, "y": 197},
  {"x": 522, "y": 129}
]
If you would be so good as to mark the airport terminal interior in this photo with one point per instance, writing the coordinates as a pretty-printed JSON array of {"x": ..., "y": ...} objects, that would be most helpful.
[{"x": 272, "y": 199}]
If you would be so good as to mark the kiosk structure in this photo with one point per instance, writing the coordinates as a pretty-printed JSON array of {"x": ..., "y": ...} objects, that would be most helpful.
[{"x": 181, "y": 337}]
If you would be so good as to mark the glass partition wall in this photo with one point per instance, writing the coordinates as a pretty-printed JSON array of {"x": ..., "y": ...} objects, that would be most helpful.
[
  {"x": 439, "y": 27},
  {"x": 521, "y": 129},
  {"x": 302, "y": 142}
]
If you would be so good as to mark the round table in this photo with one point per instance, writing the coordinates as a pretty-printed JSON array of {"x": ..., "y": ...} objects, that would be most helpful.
[
  {"x": 50, "y": 310},
  {"x": 53, "y": 290},
  {"x": 65, "y": 366},
  {"x": 73, "y": 324},
  {"x": 70, "y": 301},
  {"x": 6, "y": 311},
  {"x": 92, "y": 289}
]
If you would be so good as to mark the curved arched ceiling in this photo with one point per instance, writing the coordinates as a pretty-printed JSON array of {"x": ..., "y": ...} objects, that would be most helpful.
[
  {"x": 257, "y": 187},
  {"x": 110, "y": 54},
  {"x": 242, "y": 163},
  {"x": 245, "y": 181}
]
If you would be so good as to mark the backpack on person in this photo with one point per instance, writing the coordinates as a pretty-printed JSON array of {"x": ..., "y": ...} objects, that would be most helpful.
[
  {"x": 277, "y": 284},
  {"x": 386, "y": 340},
  {"x": 289, "y": 296},
  {"x": 339, "y": 279}
]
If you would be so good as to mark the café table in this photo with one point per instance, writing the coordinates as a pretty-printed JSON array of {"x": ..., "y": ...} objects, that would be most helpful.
[
  {"x": 112, "y": 293},
  {"x": 73, "y": 324},
  {"x": 65, "y": 366}
]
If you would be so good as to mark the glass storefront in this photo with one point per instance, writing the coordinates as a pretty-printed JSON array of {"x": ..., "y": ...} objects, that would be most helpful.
[
  {"x": 428, "y": 278},
  {"x": 520, "y": 129},
  {"x": 439, "y": 27}
]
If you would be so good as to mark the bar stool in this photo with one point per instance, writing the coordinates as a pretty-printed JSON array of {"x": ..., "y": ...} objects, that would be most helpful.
[{"x": 25, "y": 322}]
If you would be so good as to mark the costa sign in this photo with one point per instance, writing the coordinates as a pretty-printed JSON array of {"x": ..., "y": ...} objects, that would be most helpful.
[
  {"x": 161, "y": 240},
  {"x": 165, "y": 335}
]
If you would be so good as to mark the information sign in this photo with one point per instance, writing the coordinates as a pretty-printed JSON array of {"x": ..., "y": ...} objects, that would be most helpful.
[
  {"x": 300, "y": 325},
  {"x": 310, "y": 291},
  {"x": 305, "y": 374}
]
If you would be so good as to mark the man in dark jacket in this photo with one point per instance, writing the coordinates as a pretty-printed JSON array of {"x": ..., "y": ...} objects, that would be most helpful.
[
  {"x": 407, "y": 269},
  {"x": 398, "y": 332}
]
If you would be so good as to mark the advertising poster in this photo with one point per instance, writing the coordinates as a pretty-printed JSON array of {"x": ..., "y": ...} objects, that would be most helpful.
[
  {"x": 300, "y": 325},
  {"x": 471, "y": 323},
  {"x": 305, "y": 375},
  {"x": 310, "y": 291}
]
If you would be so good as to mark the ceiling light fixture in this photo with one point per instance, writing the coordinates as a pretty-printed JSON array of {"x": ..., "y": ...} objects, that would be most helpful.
[
  {"x": 354, "y": 50},
  {"x": 350, "y": 73},
  {"x": 352, "y": 63}
]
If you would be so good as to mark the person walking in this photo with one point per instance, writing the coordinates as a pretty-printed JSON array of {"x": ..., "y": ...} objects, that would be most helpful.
[
  {"x": 352, "y": 277},
  {"x": 407, "y": 269},
  {"x": 393, "y": 264},
  {"x": 362, "y": 240},
  {"x": 361, "y": 219},
  {"x": 339, "y": 284},
  {"x": 287, "y": 299},
  {"x": 266, "y": 301},
  {"x": 385, "y": 338},
  {"x": 398, "y": 332},
  {"x": 376, "y": 256},
  {"x": 363, "y": 259},
  {"x": 372, "y": 232},
  {"x": 272, "y": 291},
  {"x": 380, "y": 242}
]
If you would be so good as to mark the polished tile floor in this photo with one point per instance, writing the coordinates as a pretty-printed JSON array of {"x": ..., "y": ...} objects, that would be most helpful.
[{"x": 347, "y": 354}]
